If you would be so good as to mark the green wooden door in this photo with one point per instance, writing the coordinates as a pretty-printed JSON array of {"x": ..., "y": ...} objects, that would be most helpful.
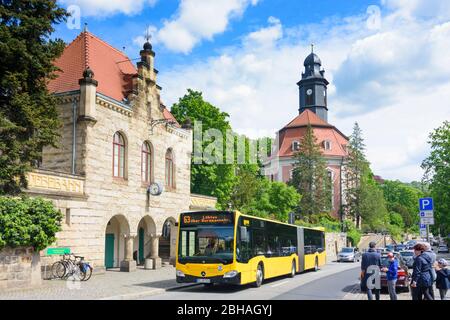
[
  {"x": 141, "y": 245},
  {"x": 109, "y": 250}
]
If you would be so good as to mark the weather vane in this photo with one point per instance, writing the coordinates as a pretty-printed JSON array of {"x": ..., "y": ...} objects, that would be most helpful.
[{"x": 148, "y": 36}]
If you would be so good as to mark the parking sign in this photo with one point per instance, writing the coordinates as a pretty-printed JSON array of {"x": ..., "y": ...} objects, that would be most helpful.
[
  {"x": 426, "y": 204},
  {"x": 426, "y": 214}
]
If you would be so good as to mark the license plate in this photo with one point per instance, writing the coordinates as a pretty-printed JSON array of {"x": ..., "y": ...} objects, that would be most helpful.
[{"x": 203, "y": 280}]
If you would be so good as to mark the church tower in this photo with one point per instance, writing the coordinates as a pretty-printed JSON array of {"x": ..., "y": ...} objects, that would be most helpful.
[{"x": 313, "y": 87}]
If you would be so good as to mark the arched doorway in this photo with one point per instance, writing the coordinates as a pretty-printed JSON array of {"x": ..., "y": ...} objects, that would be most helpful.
[
  {"x": 115, "y": 230},
  {"x": 143, "y": 246},
  {"x": 167, "y": 242}
]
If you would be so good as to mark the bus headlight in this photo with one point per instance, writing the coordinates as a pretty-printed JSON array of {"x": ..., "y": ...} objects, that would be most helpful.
[
  {"x": 180, "y": 274},
  {"x": 230, "y": 274}
]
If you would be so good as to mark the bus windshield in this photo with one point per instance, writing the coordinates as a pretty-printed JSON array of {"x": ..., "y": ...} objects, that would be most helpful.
[
  {"x": 206, "y": 237},
  {"x": 206, "y": 244}
]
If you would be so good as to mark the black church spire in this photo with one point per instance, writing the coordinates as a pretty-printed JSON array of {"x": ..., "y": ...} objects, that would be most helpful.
[{"x": 313, "y": 87}]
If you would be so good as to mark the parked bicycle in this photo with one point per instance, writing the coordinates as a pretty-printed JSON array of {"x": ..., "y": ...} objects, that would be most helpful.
[{"x": 72, "y": 266}]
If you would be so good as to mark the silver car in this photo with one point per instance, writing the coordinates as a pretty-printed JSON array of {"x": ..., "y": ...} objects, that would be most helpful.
[
  {"x": 408, "y": 257},
  {"x": 349, "y": 254}
]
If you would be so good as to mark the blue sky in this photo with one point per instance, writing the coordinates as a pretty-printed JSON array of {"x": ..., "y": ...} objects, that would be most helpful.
[
  {"x": 383, "y": 59},
  {"x": 120, "y": 28}
]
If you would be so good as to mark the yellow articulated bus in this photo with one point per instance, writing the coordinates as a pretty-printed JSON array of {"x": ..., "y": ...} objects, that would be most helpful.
[{"x": 232, "y": 248}]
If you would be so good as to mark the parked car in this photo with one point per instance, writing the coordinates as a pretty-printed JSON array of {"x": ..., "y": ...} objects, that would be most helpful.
[
  {"x": 404, "y": 277},
  {"x": 381, "y": 250},
  {"x": 443, "y": 248},
  {"x": 390, "y": 247},
  {"x": 349, "y": 254},
  {"x": 408, "y": 256},
  {"x": 400, "y": 247},
  {"x": 410, "y": 244}
]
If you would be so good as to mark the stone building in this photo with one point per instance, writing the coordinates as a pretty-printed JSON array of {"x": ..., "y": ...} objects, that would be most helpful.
[
  {"x": 313, "y": 111},
  {"x": 117, "y": 139}
]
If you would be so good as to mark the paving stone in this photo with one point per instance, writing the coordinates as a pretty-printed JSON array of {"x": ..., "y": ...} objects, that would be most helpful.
[{"x": 112, "y": 284}]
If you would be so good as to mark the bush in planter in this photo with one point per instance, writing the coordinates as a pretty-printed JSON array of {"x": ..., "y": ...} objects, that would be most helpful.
[{"x": 28, "y": 222}]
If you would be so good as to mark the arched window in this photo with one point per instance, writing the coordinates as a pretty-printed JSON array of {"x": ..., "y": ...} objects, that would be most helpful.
[
  {"x": 119, "y": 156},
  {"x": 170, "y": 179},
  {"x": 146, "y": 162}
]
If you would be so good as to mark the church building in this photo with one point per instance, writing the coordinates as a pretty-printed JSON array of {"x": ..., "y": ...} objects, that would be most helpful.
[{"x": 313, "y": 111}]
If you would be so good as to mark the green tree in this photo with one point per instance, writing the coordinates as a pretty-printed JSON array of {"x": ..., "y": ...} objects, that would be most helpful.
[
  {"x": 437, "y": 174},
  {"x": 372, "y": 206},
  {"x": 212, "y": 179},
  {"x": 273, "y": 200},
  {"x": 310, "y": 177},
  {"x": 28, "y": 116},
  {"x": 403, "y": 199},
  {"x": 357, "y": 167}
]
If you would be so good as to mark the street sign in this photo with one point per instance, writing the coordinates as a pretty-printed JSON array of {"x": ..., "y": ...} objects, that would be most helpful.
[
  {"x": 426, "y": 220},
  {"x": 57, "y": 251},
  {"x": 426, "y": 204},
  {"x": 426, "y": 214},
  {"x": 423, "y": 233}
]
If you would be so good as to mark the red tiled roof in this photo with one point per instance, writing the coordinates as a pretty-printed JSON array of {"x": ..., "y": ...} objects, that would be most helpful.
[
  {"x": 169, "y": 116},
  {"x": 112, "y": 69},
  {"x": 296, "y": 129},
  {"x": 305, "y": 118}
]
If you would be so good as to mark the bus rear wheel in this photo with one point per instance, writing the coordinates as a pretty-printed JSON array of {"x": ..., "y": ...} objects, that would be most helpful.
[
  {"x": 259, "y": 276},
  {"x": 293, "y": 270}
]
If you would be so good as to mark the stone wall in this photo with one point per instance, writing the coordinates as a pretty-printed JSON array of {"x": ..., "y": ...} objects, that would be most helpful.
[
  {"x": 334, "y": 243},
  {"x": 19, "y": 268}
]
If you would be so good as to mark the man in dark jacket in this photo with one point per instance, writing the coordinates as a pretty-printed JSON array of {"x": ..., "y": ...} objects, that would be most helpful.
[
  {"x": 370, "y": 259},
  {"x": 422, "y": 279}
]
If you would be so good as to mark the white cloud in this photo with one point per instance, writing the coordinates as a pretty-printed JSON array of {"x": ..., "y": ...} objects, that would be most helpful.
[
  {"x": 196, "y": 20},
  {"x": 394, "y": 80},
  {"x": 104, "y": 8}
]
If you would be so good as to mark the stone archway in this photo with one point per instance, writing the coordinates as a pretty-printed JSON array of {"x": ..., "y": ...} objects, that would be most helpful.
[
  {"x": 143, "y": 247},
  {"x": 116, "y": 232}
]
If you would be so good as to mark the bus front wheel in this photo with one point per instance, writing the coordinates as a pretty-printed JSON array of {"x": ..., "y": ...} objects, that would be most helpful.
[{"x": 259, "y": 276}]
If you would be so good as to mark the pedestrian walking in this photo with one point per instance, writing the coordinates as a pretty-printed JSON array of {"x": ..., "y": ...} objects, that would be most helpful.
[
  {"x": 429, "y": 251},
  {"x": 443, "y": 278},
  {"x": 370, "y": 258},
  {"x": 422, "y": 279},
  {"x": 391, "y": 275}
]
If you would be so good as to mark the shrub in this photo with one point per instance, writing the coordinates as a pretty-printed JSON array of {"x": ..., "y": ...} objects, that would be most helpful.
[
  {"x": 28, "y": 222},
  {"x": 353, "y": 234}
]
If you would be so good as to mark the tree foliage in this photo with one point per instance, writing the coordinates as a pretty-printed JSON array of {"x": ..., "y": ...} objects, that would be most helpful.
[
  {"x": 208, "y": 179},
  {"x": 310, "y": 177},
  {"x": 356, "y": 170},
  {"x": 28, "y": 222},
  {"x": 403, "y": 199},
  {"x": 437, "y": 174},
  {"x": 28, "y": 116}
]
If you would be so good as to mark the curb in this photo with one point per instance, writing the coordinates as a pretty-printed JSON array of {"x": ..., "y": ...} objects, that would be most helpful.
[{"x": 141, "y": 294}]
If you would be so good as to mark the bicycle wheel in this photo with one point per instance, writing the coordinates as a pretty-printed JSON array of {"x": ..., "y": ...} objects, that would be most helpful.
[
  {"x": 58, "y": 269},
  {"x": 87, "y": 272},
  {"x": 70, "y": 269}
]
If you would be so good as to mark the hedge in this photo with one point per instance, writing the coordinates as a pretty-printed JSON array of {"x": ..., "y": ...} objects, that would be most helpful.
[{"x": 28, "y": 222}]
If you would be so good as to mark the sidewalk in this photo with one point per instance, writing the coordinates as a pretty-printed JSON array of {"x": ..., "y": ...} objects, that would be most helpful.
[{"x": 111, "y": 285}]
